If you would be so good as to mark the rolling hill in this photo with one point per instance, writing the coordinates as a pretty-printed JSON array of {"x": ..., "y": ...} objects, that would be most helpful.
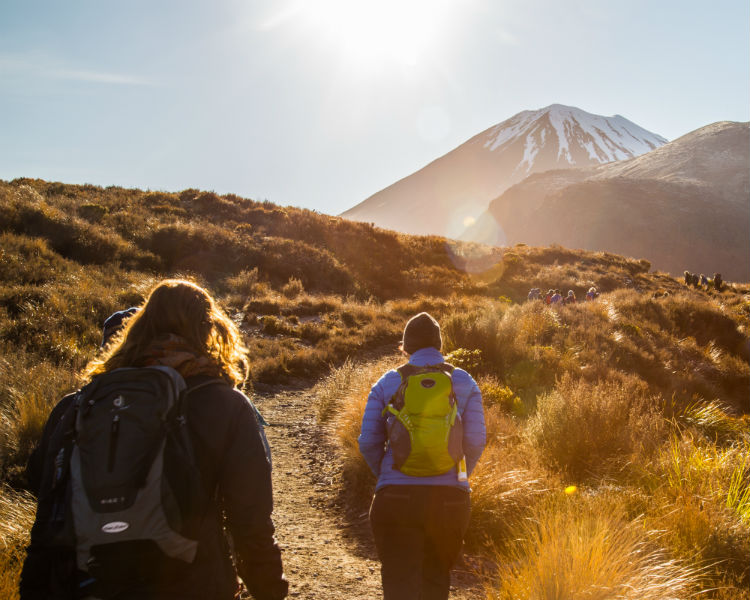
[{"x": 617, "y": 427}]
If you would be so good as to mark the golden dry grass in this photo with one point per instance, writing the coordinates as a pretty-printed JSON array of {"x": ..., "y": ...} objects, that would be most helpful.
[
  {"x": 342, "y": 396},
  {"x": 595, "y": 429},
  {"x": 579, "y": 547},
  {"x": 639, "y": 398},
  {"x": 16, "y": 516}
]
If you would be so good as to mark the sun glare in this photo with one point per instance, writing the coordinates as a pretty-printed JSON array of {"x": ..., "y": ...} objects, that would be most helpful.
[{"x": 397, "y": 31}]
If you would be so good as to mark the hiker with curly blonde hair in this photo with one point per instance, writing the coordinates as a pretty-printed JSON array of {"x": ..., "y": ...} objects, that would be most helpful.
[{"x": 139, "y": 471}]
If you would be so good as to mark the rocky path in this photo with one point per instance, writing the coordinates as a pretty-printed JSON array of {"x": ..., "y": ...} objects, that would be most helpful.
[{"x": 324, "y": 557}]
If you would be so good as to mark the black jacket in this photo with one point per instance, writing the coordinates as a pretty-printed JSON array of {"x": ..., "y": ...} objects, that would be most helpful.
[{"x": 234, "y": 467}]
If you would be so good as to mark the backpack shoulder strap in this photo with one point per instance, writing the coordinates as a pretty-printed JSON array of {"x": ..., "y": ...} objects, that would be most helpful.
[
  {"x": 448, "y": 369},
  {"x": 178, "y": 423},
  {"x": 407, "y": 370},
  {"x": 202, "y": 384},
  {"x": 396, "y": 403}
]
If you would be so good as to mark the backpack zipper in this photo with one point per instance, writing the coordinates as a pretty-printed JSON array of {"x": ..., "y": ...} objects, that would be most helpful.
[{"x": 113, "y": 433}]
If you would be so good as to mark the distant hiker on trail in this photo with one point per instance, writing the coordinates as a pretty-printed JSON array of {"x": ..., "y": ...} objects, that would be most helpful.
[
  {"x": 420, "y": 511},
  {"x": 115, "y": 322},
  {"x": 556, "y": 297},
  {"x": 688, "y": 277},
  {"x": 535, "y": 294},
  {"x": 570, "y": 298},
  {"x": 591, "y": 294},
  {"x": 704, "y": 281},
  {"x": 137, "y": 471},
  {"x": 548, "y": 297},
  {"x": 718, "y": 282}
]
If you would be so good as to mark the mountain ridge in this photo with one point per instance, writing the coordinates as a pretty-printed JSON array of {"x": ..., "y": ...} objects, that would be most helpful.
[
  {"x": 451, "y": 191},
  {"x": 684, "y": 205}
]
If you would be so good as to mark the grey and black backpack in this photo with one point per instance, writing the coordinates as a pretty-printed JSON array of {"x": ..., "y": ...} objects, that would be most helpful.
[{"x": 124, "y": 489}]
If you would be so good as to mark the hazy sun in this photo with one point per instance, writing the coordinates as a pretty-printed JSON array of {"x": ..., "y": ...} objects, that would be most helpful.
[{"x": 401, "y": 31}]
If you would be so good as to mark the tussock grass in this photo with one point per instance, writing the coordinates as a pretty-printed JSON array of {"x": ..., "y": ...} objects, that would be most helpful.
[
  {"x": 505, "y": 488},
  {"x": 594, "y": 429},
  {"x": 700, "y": 499},
  {"x": 28, "y": 390},
  {"x": 16, "y": 517},
  {"x": 625, "y": 332},
  {"x": 305, "y": 335},
  {"x": 342, "y": 397},
  {"x": 582, "y": 547},
  {"x": 639, "y": 397},
  {"x": 713, "y": 420}
]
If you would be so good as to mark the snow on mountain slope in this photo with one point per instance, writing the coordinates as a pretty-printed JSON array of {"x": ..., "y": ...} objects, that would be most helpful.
[
  {"x": 605, "y": 139},
  {"x": 453, "y": 190}
]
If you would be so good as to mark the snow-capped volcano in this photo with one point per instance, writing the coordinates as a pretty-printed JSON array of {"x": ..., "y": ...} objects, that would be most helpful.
[
  {"x": 579, "y": 138},
  {"x": 450, "y": 192}
]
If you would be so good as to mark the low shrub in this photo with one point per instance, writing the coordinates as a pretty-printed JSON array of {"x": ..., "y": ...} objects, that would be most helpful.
[
  {"x": 28, "y": 260},
  {"x": 292, "y": 288},
  {"x": 468, "y": 360},
  {"x": 592, "y": 429},
  {"x": 496, "y": 394}
]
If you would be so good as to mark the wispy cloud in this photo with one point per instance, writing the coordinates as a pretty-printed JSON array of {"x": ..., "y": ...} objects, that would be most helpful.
[
  {"x": 97, "y": 77},
  {"x": 10, "y": 62},
  {"x": 281, "y": 17},
  {"x": 42, "y": 68}
]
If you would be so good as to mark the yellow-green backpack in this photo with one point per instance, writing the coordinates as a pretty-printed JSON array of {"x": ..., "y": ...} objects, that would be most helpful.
[{"x": 425, "y": 432}]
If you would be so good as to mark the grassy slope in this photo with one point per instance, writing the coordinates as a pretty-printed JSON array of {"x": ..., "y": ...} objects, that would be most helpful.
[{"x": 641, "y": 392}]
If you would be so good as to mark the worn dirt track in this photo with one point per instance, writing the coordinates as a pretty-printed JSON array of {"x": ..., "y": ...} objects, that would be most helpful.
[{"x": 325, "y": 557}]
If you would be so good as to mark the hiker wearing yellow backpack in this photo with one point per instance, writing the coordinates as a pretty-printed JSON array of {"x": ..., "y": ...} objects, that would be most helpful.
[{"x": 422, "y": 434}]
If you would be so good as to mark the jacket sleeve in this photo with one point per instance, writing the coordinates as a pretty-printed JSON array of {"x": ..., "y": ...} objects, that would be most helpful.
[
  {"x": 35, "y": 464},
  {"x": 245, "y": 487},
  {"x": 45, "y": 569},
  {"x": 475, "y": 432},
  {"x": 372, "y": 435}
]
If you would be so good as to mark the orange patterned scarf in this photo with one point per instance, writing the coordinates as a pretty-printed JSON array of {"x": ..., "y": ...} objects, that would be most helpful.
[{"x": 174, "y": 351}]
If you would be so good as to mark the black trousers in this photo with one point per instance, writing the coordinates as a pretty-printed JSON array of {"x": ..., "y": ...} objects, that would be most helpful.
[{"x": 418, "y": 530}]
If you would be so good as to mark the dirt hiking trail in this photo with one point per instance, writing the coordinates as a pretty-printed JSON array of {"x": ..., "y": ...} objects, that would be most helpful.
[{"x": 325, "y": 557}]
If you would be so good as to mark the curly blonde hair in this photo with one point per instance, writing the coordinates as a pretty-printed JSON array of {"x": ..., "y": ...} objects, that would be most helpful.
[{"x": 183, "y": 308}]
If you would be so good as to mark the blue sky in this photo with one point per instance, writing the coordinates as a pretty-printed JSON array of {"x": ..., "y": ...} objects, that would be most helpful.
[{"x": 321, "y": 103}]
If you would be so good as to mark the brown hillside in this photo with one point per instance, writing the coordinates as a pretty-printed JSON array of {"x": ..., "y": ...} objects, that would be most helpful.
[
  {"x": 617, "y": 428},
  {"x": 683, "y": 206}
]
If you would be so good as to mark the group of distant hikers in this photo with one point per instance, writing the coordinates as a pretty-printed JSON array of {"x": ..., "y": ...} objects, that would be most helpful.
[
  {"x": 701, "y": 281},
  {"x": 153, "y": 480},
  {"x": 554, "y": 297}
]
